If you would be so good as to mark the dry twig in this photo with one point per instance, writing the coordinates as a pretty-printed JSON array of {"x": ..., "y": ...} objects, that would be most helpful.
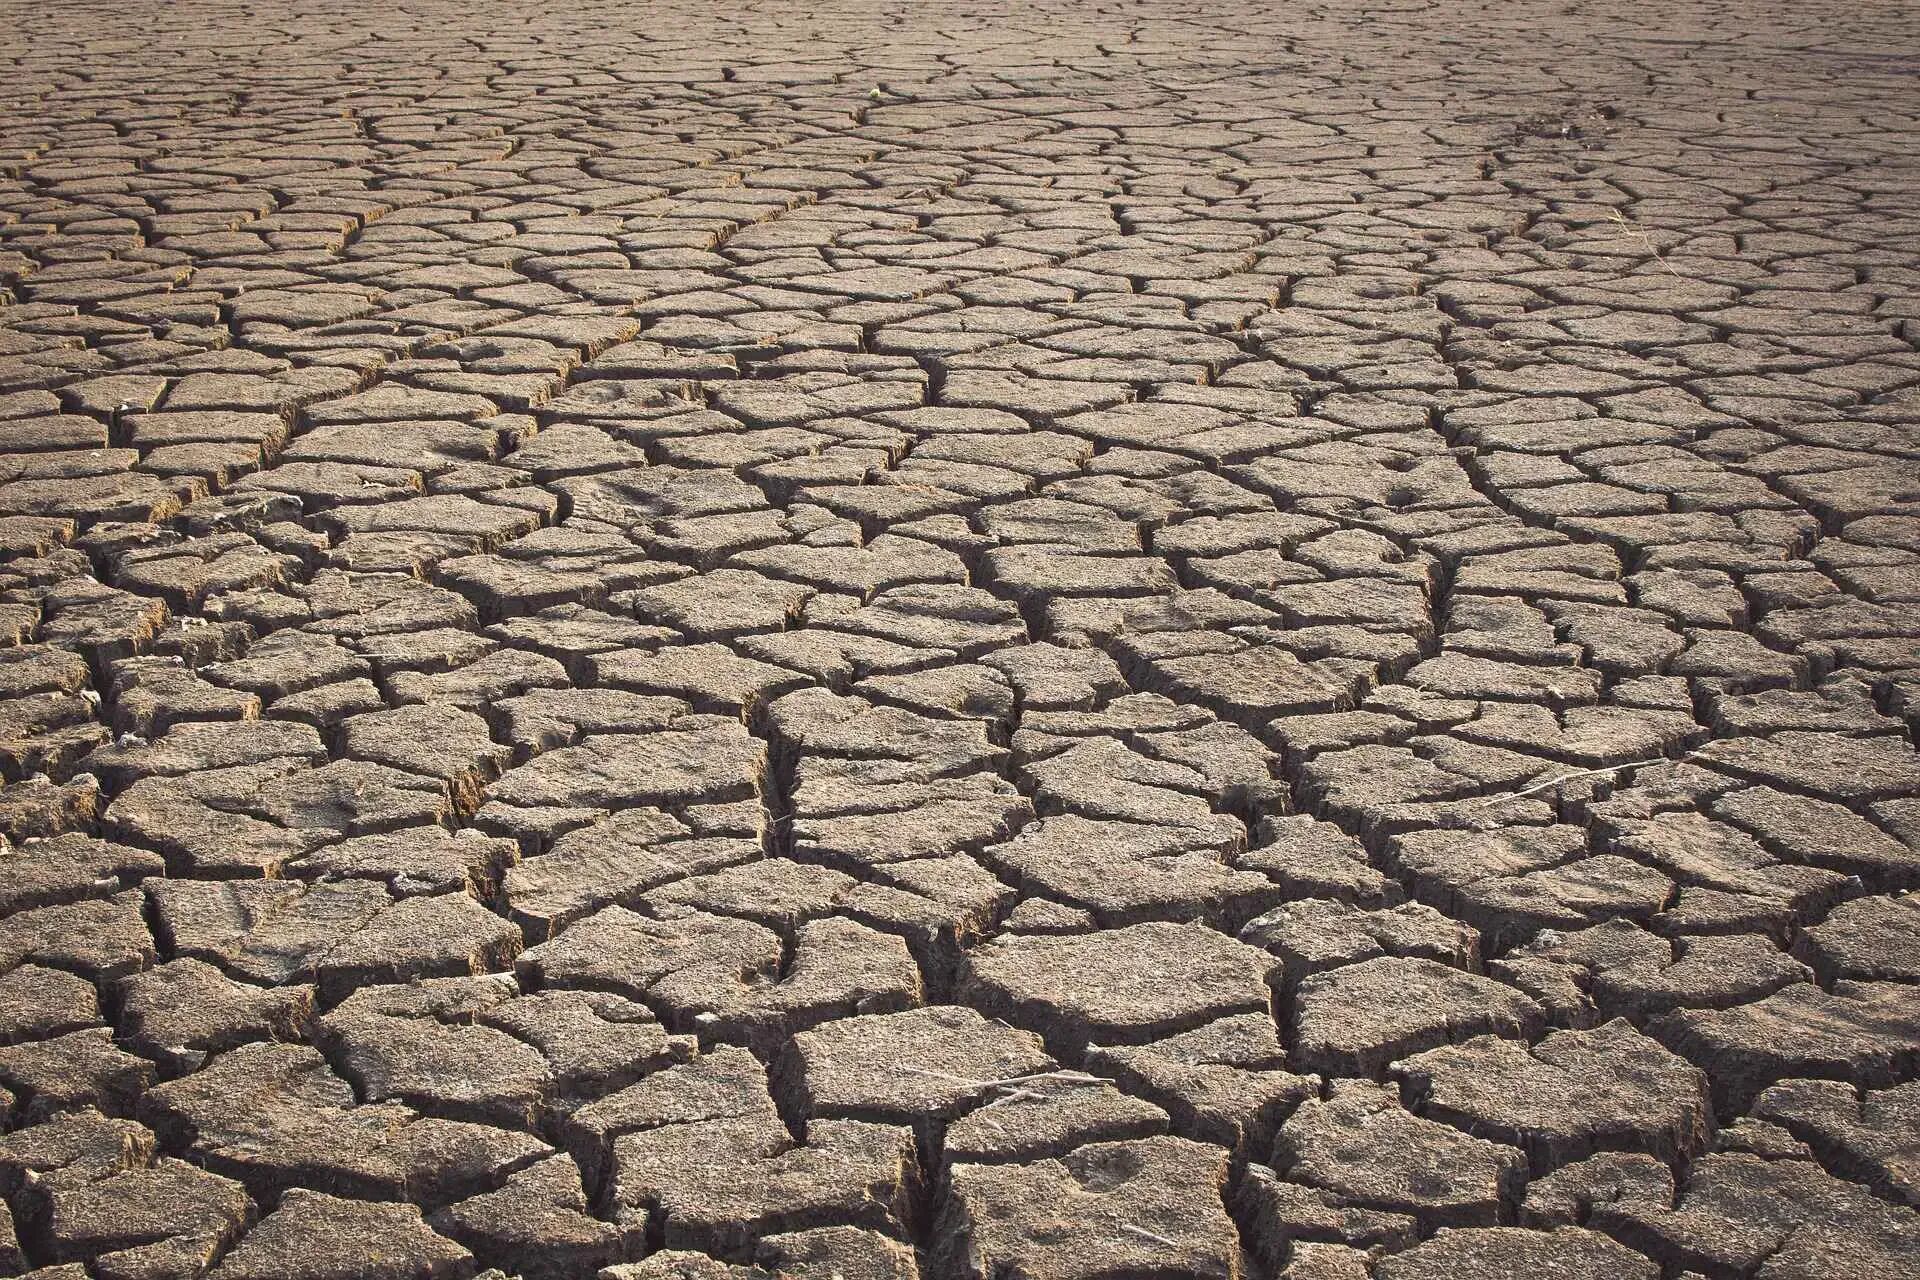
[
  {"x": 1079, "y": 1079},
  {"x": 1551, "y": 783}
]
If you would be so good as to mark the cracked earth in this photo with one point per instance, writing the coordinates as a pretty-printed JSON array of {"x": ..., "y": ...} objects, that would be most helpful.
[{"x": 1034, "y": 642}]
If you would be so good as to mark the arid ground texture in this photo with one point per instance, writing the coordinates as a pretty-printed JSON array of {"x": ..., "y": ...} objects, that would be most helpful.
[{"x": 984, "y": 641}]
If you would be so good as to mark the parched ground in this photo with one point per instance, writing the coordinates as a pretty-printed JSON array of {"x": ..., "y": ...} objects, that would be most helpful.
[{"x": 1001, "y": 641}]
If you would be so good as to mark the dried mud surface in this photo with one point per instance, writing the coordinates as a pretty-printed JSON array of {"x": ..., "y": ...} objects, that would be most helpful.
[{"x": 1023, "y": 641}]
